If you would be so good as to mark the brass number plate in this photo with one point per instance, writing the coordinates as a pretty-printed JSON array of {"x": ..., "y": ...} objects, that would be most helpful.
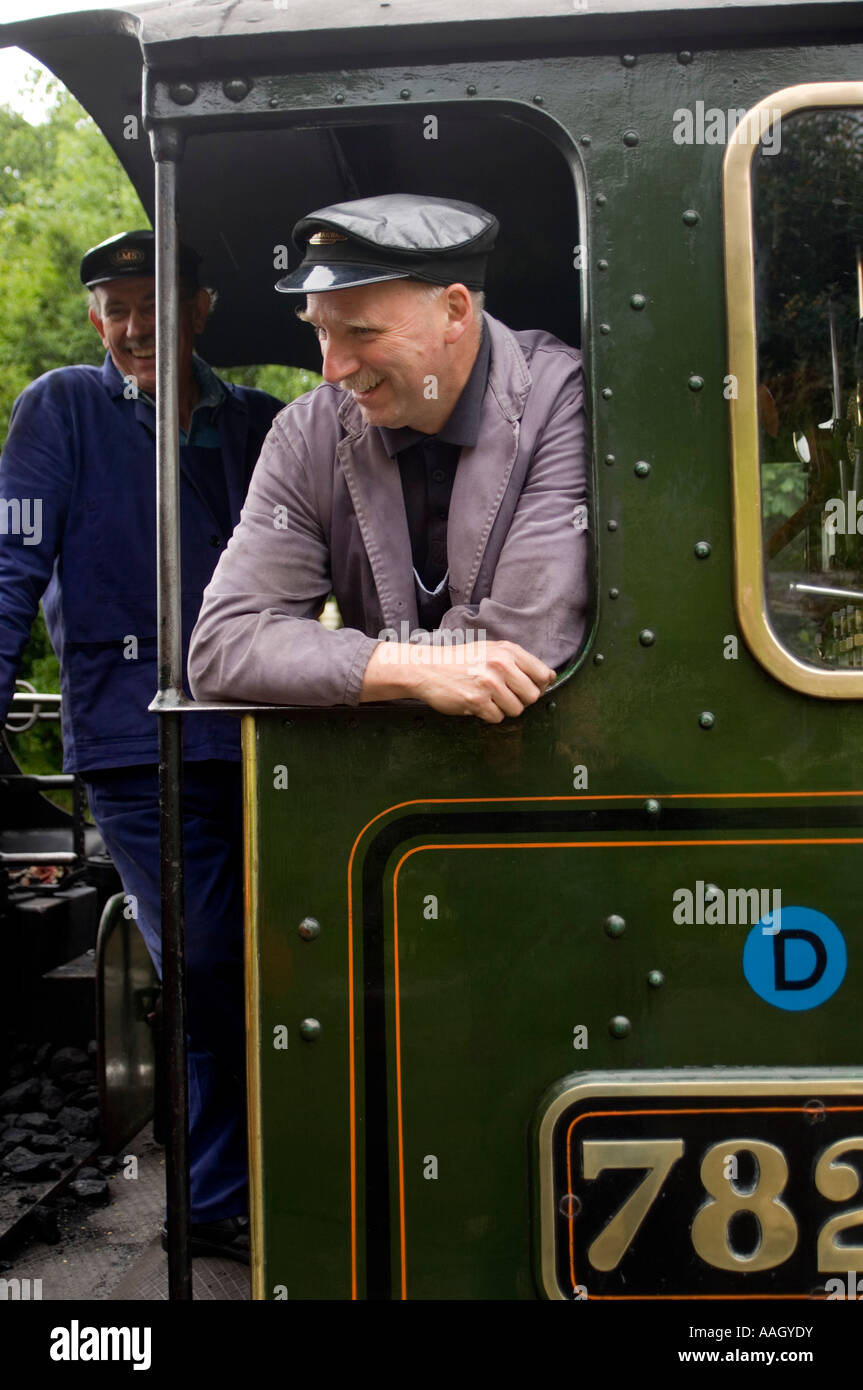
[{"x": 733, "y": 1185}]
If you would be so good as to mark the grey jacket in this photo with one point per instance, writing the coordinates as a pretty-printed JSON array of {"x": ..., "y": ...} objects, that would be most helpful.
[{"x": 325, "y": 514}]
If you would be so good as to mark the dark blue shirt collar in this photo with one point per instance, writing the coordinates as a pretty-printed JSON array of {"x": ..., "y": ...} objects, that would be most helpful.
[
  {"x": 213, "y": 390},
  {"x": 202, "y": 427}
]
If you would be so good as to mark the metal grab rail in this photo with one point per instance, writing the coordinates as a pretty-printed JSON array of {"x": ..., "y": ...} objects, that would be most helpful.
[
  {"x": 24, "y": 861},
  {"x": 41, "y": 780},
  {"x": 67, "y": 781},
  {"x": 167, "y": 146},
  {"x": 32, "y": 697}
]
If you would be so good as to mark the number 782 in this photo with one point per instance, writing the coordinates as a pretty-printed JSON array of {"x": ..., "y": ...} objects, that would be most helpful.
[{"x": 777, "y": 1241}]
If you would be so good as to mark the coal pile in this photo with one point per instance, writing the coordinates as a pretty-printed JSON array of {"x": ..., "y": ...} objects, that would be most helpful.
[{"x": 49, "y": 1122}]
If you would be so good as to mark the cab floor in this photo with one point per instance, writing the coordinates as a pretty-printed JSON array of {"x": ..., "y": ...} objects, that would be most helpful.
[{"x": 114, "y": 1253}]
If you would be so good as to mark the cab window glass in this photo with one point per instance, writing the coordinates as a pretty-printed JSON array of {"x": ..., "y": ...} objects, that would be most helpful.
[{"x": 807, "y": 194}]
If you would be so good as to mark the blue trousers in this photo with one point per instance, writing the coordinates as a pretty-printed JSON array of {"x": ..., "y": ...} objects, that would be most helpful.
[{"x": 125, "y": 807}]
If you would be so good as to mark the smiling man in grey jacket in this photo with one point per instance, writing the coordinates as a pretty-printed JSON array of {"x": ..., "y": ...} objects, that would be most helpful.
[{"x": 436, "y": 484}]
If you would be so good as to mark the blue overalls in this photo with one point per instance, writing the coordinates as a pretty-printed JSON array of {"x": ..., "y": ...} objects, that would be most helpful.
[{"x": 83, "y": 448}]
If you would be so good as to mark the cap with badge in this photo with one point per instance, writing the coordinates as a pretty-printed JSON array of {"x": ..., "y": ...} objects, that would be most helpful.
[
  {"x": 132, "y": 253},
  {"x": 397, "y": 236}
]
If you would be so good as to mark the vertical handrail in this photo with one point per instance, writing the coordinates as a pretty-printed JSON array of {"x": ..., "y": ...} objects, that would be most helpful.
[
  {"x": 79, "y": 812},
  {"x": 166, "y": 153}
]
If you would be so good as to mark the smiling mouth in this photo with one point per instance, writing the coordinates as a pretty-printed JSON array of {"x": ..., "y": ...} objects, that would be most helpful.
[{"x": 363, "y": 394}]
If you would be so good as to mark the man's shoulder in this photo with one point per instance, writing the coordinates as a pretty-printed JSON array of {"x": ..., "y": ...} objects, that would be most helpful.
[
  {"x": 314, "y": 411},
  {"x": 534, "y": 342},
  {"x": 71, "y": 389},
  {"x": 529, "y": 365},
  {"x": 81, "y": 377},
  {"x": 256, "y": 400}
]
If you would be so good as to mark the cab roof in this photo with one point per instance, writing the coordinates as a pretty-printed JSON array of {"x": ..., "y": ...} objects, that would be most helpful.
[{"x": 171, "y": 31}]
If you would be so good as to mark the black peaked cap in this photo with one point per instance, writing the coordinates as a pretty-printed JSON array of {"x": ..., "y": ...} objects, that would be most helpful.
[
  {"x": 398, "y": 236},
  {"x": 132, "y": 253}
]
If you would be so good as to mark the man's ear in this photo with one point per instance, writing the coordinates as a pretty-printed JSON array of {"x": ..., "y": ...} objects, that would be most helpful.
[
  {"x": 98, "y": 324},
  {"x": 200, "y": 310},
  {"x": 460, "y": 315}
]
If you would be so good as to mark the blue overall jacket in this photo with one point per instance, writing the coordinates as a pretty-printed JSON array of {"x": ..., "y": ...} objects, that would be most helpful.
[{"x": 78, "y": 525}]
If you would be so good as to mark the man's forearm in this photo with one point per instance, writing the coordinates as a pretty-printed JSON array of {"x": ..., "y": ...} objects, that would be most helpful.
[{"x": 396, "y": 671}]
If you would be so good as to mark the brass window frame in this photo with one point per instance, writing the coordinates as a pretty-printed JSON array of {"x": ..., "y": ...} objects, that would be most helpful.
[{"x": 839, "y": 683}]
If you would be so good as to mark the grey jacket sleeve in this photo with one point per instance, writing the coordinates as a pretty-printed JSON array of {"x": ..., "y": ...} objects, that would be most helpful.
[
  {"x": 256, "y": 639},
  {"x": 539, "y": 594}
]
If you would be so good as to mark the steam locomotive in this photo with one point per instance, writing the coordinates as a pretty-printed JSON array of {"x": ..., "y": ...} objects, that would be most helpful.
[{"x": 563, "y": 1008}]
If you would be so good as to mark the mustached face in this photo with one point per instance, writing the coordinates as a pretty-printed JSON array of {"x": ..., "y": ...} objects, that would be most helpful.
[
  {"x": 394, "y": 349},
  {"x": 125, "y": 319}
]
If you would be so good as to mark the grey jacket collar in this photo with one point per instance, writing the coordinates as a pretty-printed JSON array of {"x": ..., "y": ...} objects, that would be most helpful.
[{"x": 483, "y": 473}]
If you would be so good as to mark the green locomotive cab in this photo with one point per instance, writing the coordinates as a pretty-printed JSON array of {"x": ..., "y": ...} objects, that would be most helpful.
[{"x": 565, "y": 1007}]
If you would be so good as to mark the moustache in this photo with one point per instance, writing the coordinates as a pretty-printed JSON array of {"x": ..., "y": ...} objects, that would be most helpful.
[{"x": 363, "y": 381}]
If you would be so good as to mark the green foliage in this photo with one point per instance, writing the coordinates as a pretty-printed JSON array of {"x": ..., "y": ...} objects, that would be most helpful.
[
  {"x": 783, "y": 490},
  {"x": 63, "y": 189},
  {"x": 284, "y": 382},
  {"x": 40, "y": 749}
]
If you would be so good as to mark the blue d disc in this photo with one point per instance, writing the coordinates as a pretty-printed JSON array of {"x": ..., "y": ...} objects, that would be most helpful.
[{"x": 799, "y": 966}]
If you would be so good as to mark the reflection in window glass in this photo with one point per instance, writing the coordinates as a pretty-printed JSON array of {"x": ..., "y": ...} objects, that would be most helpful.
[{"x": 808, "y": 223}]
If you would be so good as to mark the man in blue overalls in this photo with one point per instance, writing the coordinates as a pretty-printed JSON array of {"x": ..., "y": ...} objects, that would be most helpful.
[{"x": 80, "y": 460}]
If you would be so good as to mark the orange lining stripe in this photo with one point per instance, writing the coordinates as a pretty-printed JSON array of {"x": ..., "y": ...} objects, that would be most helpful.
[
  {"x": 704, "y": 1110},
  {"x": 514, "y": 800}
]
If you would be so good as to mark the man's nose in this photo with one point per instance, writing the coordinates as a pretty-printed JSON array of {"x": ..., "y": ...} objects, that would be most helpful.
[
  {"x": 339, "y": 361},
  {"x": 139, "y": 324}
]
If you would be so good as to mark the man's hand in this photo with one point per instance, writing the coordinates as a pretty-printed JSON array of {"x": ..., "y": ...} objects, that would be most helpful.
[{"x": 491, "y": 680}]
